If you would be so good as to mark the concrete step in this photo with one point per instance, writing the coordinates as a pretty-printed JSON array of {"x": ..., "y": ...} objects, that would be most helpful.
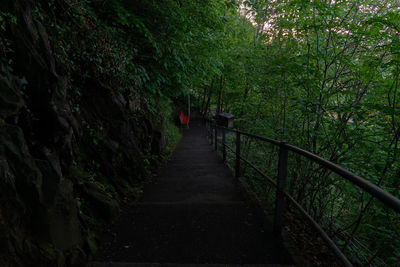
[
  {"x": 192, "y": 214},
  {"x": 131, "y": 264}
]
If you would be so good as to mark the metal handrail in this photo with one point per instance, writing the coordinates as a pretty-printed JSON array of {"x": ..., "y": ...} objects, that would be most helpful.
[{"x": 373, "y": 190}]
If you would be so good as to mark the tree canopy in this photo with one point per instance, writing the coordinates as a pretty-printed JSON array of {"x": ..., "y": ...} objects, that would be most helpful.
[{"x": 320, "y": 74}]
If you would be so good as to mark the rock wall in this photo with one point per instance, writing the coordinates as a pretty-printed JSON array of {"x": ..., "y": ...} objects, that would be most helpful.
[{"x": 63, "y": 172}]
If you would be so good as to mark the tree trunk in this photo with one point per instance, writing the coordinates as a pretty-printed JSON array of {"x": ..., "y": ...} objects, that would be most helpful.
[
  {"x": 220, "y": 94},
  {"x": 208, "y": 99}
]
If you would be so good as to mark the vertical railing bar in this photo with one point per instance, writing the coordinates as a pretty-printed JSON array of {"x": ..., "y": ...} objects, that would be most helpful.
[
  {"x": 207, "y": 132},
  {"x": 237, "y": 165},
  {"x": 216, "y": 137},
  {"x": 211, "y": 132},
  {"x": 280, "y": 200},
  {"x": 210, "y": 137},
  {"x": 223, "y": 145}
]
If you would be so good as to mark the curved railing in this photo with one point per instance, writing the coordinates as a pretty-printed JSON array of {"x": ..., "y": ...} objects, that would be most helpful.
[{"x": 375, "y": 191}]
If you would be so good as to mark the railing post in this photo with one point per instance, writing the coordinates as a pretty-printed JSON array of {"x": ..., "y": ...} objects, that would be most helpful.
[
  {"x": 211, "y": 132},
  {"x": 206, "y": 124},
  {"x": 223, "y": 145},
  {"x": 209, "y": 129},
  {"x": 216, "y": 137},
  {"x": 237, "y": 166},
  {"x": 282, "y": 174}
]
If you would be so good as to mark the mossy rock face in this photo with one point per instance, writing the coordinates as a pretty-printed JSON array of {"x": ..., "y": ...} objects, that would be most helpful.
[
  {"x": 11, "y": 101},
  {"x": 20, "y": 182},
  {"x": 100, "y": 204},
  {"x": 51, "y": 156},
  {"x": 36, "y": 204}
]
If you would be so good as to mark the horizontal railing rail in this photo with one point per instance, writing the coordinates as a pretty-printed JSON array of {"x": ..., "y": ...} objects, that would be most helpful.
[{"x": 375, "y": 191}]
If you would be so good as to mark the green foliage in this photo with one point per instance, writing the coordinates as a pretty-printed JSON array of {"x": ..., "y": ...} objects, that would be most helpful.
[
  {"x": 6, "y": 19},
  {"x": 92, "y": 222},
  {"x": 323, "y": 75},
  {"x": 172, "y": 136}
]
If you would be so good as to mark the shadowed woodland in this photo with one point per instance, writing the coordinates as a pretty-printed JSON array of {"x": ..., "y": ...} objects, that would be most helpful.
[{"x": 90, "y": 98}]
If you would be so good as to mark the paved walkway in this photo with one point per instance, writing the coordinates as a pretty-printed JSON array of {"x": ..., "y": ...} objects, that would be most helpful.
[{"x": 193, "y": 213}]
